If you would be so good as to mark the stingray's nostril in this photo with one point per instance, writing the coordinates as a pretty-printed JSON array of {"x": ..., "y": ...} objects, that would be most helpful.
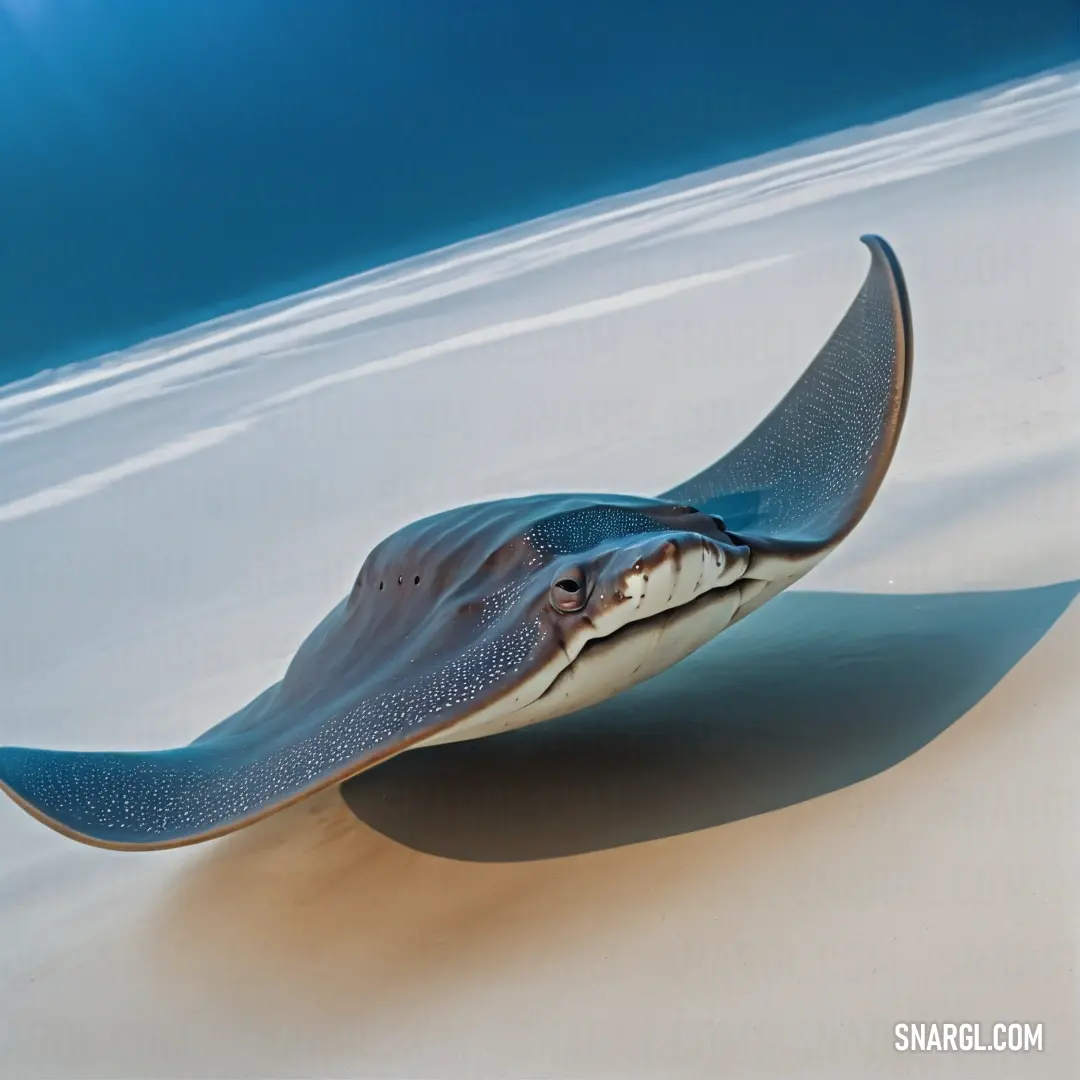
[
  {"x": 568, "y": 585},
  {"x": 380, "y": 584},
  {"x": 416, "y": 580}
]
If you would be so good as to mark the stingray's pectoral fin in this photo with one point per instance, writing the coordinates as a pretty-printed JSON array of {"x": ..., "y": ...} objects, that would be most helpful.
[
  {"x": 271, "y": 753},
  {"x": 805, "y": 475},
  {"x": 140, "y": 800},
  {"x": 130, "y": 799}
]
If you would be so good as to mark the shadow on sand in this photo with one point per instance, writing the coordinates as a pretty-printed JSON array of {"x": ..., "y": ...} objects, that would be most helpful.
[
  {"x": 313, "y": 918},
  {"x": 814, "y": 692}
]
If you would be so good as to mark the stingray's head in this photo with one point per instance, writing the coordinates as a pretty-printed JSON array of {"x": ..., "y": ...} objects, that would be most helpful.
[
  {"x": 599, "y": 568},
  {"x": 512, "y": 592}
]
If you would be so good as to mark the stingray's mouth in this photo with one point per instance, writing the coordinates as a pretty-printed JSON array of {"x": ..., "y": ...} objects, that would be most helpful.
[
  {"x": 649, "y": 623},
  {"x": 643, "y": 647}
]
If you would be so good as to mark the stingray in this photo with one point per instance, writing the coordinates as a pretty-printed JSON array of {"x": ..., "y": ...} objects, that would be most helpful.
[{"x": 493, "y": 616}]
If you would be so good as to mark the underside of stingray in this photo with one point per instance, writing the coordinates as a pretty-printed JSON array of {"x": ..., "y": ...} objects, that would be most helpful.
[{"x": 497, "y": 615}]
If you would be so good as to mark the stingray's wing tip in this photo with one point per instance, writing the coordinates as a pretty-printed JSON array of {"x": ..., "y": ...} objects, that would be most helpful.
[
  {"x": 97, "y": 798},
  {"x": 807, "y": 473},
  {"x": 874, "y": 241},
  {"x": 884, "y": 261},
  {"x": 883, "y": 258},
  {"x": 153, "y": 800},
  {"x": 18, "y": 766},
  {"x": 40, "y": 814}
]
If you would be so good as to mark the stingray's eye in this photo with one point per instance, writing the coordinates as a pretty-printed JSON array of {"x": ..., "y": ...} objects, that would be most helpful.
[{"x": 568, "y": 591}]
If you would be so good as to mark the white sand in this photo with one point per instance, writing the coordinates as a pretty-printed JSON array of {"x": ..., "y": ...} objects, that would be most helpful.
[{"x": 173, "y": 523}]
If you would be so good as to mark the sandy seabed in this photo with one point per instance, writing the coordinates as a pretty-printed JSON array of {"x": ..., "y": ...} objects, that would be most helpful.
[{"x": 859, "y": 807}]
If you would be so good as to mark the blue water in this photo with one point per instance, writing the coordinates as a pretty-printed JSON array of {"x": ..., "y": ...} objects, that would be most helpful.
[{"x": 166, "y": 160}]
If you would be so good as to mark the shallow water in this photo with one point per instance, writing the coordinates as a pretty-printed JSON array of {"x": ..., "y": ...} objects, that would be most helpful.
[{"x": 153, "y": 171}]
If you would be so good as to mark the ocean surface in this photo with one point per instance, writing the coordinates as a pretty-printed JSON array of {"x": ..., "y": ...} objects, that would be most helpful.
[{"x": 163, "y": 162}]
